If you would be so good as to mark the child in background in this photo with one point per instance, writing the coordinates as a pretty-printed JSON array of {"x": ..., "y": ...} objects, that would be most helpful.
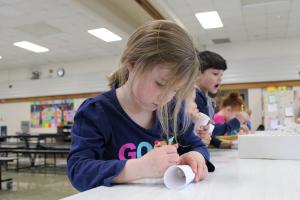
[
  {"x": 209, "y": 80},
  {"x": 113, "y": 134},
  {"x": 249, "y": 111},
  {"x": 230, "y": 107},
  {"x": 193, "y": 113}
]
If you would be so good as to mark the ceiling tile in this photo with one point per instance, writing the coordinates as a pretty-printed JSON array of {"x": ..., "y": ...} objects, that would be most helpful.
[
  {"x": 10, "y": 1},
  {"x": 26, "y": 6},
  {"x": 227, "y": 5},
  {"x": 215, "y": 30},
  {"x": 257, "y": 10},
  {"x": 255, "y": 19},
  {"x": 189, "y": 19},
  {"x": 234, "y": 28},
  {"x": 9, "y": 11},
  {"x": 27, "y": 19},
  {"x": 9, "y": 23},
  {"x": 277, "y": 31},
  {"x": 195, "y": 2},
  {"x": 181, "y": 11},
  {"x": 203, "y": 7},
  {"x": 214, "y": 36},
  {"x": 176, "y": 3},
  {"x": 63, "y": 11},
  {"x": 225, "y": 14},
  {"x": 278, "y": 16},
  {"x": 238, "y": 34},
  {"x": 254, "y": 26},
  {"x": 256, "y": 37},
  {"x": 47, "y": 4},
  {"x": 77, "y": 19},
  {"x": 294, "y": 22},
  {"x": 295, "y": 6},
  {"x": 233, "y": 21},
  {"x": 280, "y": 7},
  {"x": 236, "y": 39},
  {"x": 277, "y": 23},
  {"x": 44, "y": 15},
  {"x": 294, "y": 15}
]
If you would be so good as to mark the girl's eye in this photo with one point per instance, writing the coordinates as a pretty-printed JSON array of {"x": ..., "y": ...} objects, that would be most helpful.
[
  {"x": 160, "y": 85},
  {"x": 215, "y": 74}
]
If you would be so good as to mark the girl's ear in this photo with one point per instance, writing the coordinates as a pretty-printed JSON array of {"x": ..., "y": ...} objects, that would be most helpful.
[
  {"x": 199, "y": 75},
  {"x": 228, "y": 109},
  {"x": 130, "y": 66}
]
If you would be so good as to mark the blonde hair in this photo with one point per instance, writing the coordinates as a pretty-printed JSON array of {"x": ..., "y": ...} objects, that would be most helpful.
[{"x": 161, "y": 42}]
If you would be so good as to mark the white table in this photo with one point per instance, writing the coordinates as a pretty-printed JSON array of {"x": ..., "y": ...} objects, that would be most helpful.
[{"x": 233, "y": 178}]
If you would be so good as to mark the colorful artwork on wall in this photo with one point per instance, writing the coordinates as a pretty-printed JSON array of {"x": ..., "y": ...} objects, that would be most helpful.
[{"x": 52, "y": 113}]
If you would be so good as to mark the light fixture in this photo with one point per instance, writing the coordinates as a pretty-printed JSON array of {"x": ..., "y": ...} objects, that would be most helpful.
[
  {"x": 105, "y": 35},
  {"x": 0, "y": 57},
  {"x": 31, "y": 47},
  {"x": 209, "y": 19}
]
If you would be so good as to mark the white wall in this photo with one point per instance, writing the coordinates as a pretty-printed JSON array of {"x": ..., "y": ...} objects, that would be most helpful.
[
  {"x": 13, "y": 113},
  {"x": 255, "y": 104}
]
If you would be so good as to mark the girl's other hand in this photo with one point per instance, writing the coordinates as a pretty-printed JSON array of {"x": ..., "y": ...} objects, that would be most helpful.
[
  {"x": 194, "y": 114},
  {"x": 242, "y": 117},
  {"x": 204, "y": 134},
  {"x": 157, "y": 161},
  {"x": 226, "y": 145},
  {"x": 197, "y": 162},
  {"x": 245, "y": 129}
]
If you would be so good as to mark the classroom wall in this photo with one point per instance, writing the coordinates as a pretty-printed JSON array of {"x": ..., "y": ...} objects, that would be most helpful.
[
  {"x": 255, "y": 104},
  {"x": 11, "y": 115}
]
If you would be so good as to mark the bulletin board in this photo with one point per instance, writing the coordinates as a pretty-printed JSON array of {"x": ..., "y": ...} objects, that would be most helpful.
[
  {"x": 52, "y": 113},
  {"x": 279, "y": 108}
]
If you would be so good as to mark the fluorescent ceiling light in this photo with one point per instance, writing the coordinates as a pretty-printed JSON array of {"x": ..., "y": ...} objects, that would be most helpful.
[
  {"x": 105, "y": 35},
  {"x": 31, "y": 47},
  {"x": 209, "y": 19},
  {"x": 0, "y": 57}
]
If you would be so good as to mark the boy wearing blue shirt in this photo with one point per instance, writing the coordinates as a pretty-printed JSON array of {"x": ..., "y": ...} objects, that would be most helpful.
[{"x": 209, "y": 80}]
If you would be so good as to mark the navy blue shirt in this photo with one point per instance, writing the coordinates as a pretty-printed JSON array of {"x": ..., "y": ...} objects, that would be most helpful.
[
  {"x": 104, "y": 137},
  {"x": 220, "y": 129}
]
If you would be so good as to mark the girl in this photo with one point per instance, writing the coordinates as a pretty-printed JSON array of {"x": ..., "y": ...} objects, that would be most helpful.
[
  {"x": 114, "y": 133},
  {"x": 230, "y": 107}
]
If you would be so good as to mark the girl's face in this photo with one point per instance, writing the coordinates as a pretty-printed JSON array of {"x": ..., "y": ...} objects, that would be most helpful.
[
  {"x": 210, "y": 80},
  {"x": 192, "y": 105},
  {"x": 230, "y": 113},
  {"x": 149, "y": 87}
]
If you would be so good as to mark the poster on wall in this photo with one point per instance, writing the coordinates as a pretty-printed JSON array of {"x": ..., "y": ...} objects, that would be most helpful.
[{"x": 52, "y": 113}]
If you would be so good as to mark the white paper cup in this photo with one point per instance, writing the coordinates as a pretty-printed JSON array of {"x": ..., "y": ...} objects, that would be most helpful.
[
  {"x": 211, "y": 128},
  {"x": 204, "y": 121},
  {"x": 178, "y": 176}
]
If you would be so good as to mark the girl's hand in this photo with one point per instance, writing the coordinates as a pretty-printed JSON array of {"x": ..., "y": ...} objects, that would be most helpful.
[
  {"x": 244, "y": 128},
  {"x": 226, "y": 145},
  {"x": 298, "y": 121},
  {"x": 194, "y": 114},
  {"x": 157, "y": 161},
  {"x": 197, "y": 162},
  {"x": 242, "y": 117},
  {"x": 204, "y": 134}
]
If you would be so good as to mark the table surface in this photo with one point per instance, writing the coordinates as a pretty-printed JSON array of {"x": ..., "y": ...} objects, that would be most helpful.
[{"x": 234, "y": 178}]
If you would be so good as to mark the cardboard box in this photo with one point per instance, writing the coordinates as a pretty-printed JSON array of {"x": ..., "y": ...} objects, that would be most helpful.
[{"x": 270, "y": 146}]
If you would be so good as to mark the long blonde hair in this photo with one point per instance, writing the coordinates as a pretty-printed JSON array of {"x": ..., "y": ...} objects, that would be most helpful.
[{"x": 161, "y": 42}]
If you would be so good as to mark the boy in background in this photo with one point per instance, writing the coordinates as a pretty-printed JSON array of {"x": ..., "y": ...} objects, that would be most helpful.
[{"x": 209, "y": 80}]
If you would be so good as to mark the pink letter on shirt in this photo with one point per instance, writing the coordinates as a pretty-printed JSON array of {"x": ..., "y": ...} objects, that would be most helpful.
[{"x": 131, "y": 155}]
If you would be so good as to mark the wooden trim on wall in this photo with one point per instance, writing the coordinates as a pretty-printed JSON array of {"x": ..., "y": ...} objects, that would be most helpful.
[
  {"x": 259, "y": 85},
  {"x": 69, "y": 96},
  {"x": 147, "y": 6}
]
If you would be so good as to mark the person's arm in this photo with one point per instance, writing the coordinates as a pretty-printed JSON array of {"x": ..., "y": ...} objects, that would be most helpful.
[
  {"x": 221, "y": 129},
  {"x": 86, "y": 167}
]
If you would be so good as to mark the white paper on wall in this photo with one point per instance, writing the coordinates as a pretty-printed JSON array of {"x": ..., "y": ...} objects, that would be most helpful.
[
  {"x": 272, "y": 107},
  {"x": 289, "y": 111},
  {"x": 274, "y": 123},
  {"x": 287, "y": 120}
]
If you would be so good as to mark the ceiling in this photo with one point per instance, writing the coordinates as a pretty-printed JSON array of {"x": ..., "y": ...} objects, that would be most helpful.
[{"x": 72, "y": 18}]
